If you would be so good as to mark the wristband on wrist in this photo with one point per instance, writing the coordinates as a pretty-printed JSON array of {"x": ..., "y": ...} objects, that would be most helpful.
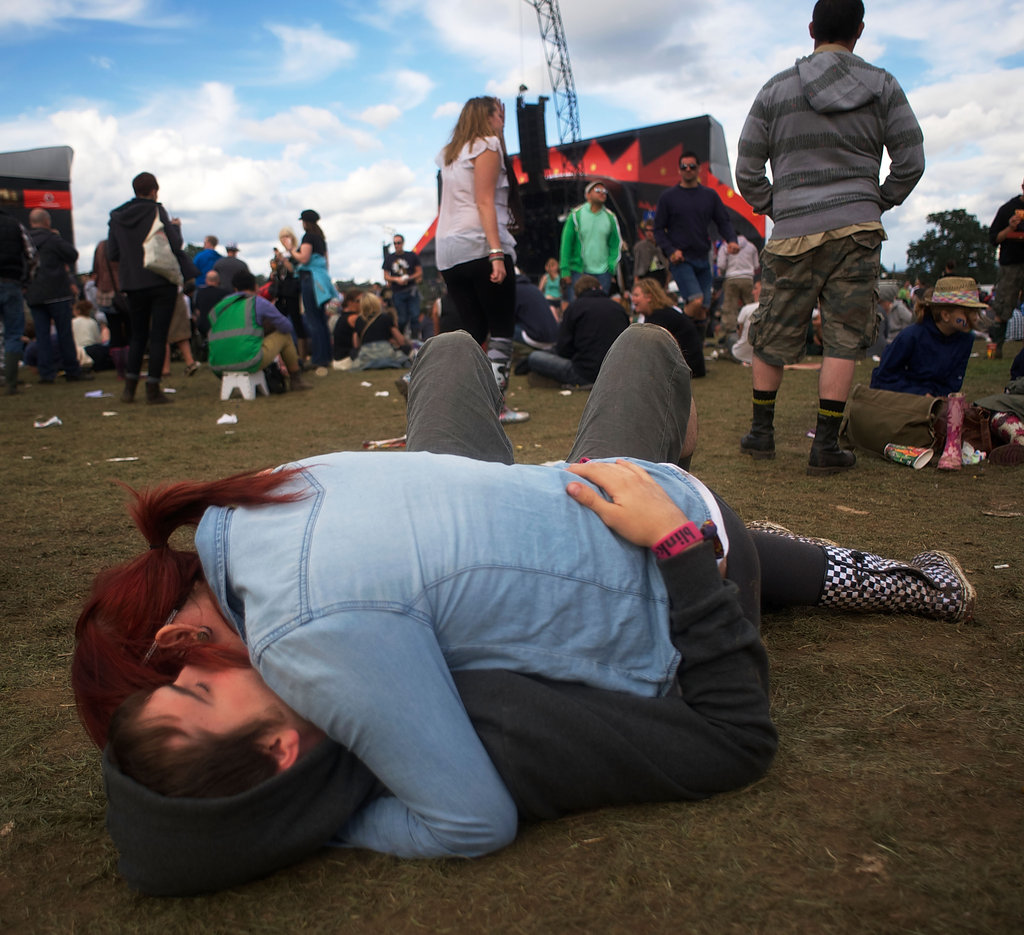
[{"x": 686, "y": 536}]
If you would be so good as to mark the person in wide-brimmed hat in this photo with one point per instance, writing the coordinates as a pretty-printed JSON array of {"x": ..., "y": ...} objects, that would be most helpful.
[{"x": 930, "y": 357}]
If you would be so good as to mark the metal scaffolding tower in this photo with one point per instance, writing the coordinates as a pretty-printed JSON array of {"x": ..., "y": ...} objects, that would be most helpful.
[{"x": 556, "y": 53}]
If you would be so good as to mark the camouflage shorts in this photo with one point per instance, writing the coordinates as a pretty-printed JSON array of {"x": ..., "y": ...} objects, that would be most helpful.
[
  {"x": 841, "y": 275},
  {"x": 1009, "y": 288}
]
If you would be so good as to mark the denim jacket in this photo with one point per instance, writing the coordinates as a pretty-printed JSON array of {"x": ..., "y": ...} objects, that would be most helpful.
[{"x": 359, "y": 600}]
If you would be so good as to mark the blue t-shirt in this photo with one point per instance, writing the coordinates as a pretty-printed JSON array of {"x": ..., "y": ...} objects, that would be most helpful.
[{"x": 204, "y": 261}]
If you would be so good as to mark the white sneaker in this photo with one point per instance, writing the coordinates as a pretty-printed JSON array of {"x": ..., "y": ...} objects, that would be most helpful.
[{"x": 508, "y": 416}]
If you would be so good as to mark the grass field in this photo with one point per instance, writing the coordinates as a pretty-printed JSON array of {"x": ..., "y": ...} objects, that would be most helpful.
[{"x": 896, "y": 803}]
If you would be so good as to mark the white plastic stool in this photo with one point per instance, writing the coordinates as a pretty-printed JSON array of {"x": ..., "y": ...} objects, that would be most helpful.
[{"x": 245, "y": 383}]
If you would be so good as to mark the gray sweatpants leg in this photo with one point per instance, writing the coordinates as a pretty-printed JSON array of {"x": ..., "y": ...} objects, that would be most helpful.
[
  {"x": 454, "y": 402},
  {"x": 640, "y": 404},
  {"x": 640, "y": 408}
]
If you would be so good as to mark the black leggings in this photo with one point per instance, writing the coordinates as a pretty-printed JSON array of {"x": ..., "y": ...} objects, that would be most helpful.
[
  {"x": 486, "y": 308},
  {"x": 784, "y": 572},
  {"x": 150, "y": 313},
  {"x": 792, "y": 572}
]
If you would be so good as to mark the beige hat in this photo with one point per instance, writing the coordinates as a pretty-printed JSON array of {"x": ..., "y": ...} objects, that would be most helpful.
[{"x": 957, "y": 290}]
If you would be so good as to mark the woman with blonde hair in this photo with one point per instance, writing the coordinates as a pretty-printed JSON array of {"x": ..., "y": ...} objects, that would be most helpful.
[
  {"x": 378, "y": 335},
  {"x": 475, "y": 247},
  {"x": 653, "y": 305}
]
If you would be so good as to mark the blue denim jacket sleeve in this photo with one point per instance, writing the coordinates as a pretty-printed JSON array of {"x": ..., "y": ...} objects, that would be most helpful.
[{"x": 396, "y": 707}]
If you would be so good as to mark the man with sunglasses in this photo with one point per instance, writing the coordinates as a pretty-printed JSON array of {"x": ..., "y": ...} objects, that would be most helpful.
[
  {"x": 591, "y": 242},
  {"x": 681, "y": 224},
  {"x": 403, "y": 273}
]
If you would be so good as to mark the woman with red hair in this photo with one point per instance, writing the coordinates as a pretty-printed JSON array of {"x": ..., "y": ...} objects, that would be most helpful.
[{"x": 624, "y": 593}]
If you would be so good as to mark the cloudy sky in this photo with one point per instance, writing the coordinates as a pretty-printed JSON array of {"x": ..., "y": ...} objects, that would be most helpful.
[{"x": 250, "y": 111}]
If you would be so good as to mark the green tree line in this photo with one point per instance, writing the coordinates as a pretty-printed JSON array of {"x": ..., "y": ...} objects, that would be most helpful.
[{"x": 957, "y": 236}]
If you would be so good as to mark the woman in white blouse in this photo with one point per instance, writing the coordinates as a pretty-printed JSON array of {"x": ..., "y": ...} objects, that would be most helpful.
[{"x": 475, "y": 246}]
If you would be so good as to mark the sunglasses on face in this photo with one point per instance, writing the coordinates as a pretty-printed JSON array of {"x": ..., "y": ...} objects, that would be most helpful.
[{"x": 688, "y": 166}]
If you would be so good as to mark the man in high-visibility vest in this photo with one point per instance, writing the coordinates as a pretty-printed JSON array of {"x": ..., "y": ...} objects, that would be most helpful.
[{"x": 246, "y": 333}]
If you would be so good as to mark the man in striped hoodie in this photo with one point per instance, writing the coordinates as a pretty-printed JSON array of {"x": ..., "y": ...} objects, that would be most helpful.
[{"x": 822, "y": 125}]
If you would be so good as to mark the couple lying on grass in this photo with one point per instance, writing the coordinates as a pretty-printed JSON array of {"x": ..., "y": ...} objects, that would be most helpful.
[{"x": 341, "y": 661}]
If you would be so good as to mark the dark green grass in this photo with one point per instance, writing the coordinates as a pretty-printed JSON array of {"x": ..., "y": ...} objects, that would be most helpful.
[{"x": 895, "y": 804}]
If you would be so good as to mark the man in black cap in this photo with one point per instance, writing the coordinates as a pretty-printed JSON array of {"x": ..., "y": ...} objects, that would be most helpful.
[{"x": 228, "y": 266}]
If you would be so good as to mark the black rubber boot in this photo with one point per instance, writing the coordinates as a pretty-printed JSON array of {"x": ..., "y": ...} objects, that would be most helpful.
[
  {"x": 154, "y": 395},
  {"x": 128, "y": 393},
  {"x": 826, "y": 455},
  {"x": 11, "y": 359},
  {"x": 759, "y": 442}
]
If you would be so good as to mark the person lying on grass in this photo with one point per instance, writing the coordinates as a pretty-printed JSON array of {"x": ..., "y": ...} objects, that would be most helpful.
[{"x": 427, "y": 657}]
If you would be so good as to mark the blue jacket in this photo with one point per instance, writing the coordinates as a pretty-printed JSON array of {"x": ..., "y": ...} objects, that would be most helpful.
[
  {"x": 922, "y": 360},
  {"x": 323, "y": 287},
  {"x": 507, "y": 572}
]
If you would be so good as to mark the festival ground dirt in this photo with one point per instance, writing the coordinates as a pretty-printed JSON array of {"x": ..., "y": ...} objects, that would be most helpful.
[{"x": 895, "y": 803}]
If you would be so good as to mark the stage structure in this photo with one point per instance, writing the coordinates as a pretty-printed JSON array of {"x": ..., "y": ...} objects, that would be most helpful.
[
  {"x": 636, "y": 166},
  {"x": 38, "y": 178}
]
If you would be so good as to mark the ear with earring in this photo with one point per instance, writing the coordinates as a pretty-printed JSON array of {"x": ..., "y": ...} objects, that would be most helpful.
[{"x": 177, "y": 636}]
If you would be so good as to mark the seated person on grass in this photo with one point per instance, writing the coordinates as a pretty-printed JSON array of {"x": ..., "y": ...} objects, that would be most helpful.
[
  {"x": 377, "y": 337},
  {"x": 246, "y": 333},
  {"x": 588, "y": 329},
  {"x": 653, "y": 305},
  {"x": 930, "y": 357}
]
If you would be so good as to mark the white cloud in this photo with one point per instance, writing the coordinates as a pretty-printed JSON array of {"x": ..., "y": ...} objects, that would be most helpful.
[
  {"x": 49, "y": 12},
  {"x": 448, "y": 109},
  {"x": 305, "y": 125},
  {"x": 309, "y": 54},
  {"x": 414, "y": 86},
  {"x": 380, "y": 115},
  {"x": 411, "y": 88},
  {"x": 197, "y": 145}
]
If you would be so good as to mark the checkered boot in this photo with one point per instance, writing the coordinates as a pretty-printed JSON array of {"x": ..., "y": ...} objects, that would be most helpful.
[{"x": 931, "y": 584}]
